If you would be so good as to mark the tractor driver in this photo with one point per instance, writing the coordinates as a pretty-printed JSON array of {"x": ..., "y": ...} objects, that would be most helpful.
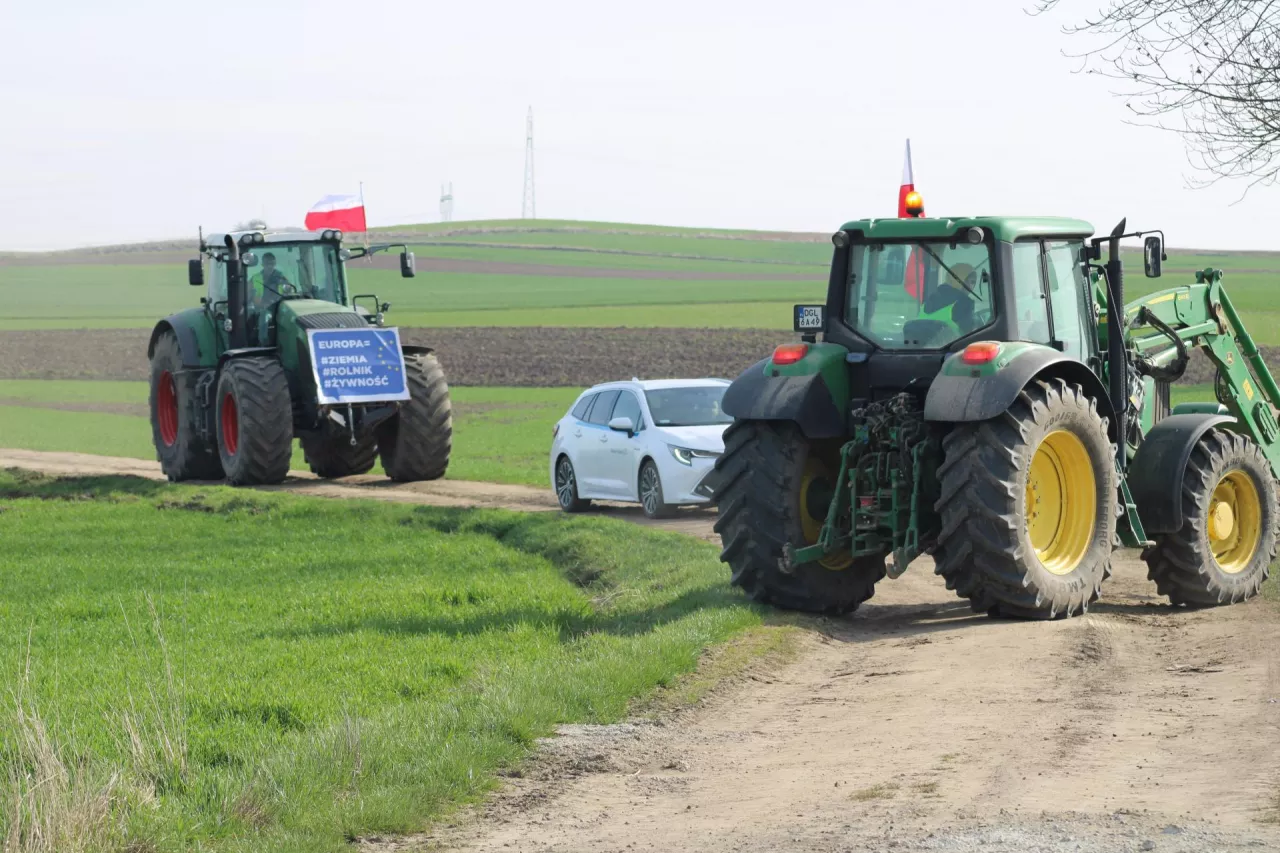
[
  {"x": 265, "y": 290},
  {"x": 951, "y": 302},
  {"x": 262, "y": 284}
]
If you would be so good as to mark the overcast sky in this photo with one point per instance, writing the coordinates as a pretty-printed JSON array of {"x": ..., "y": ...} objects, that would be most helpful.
[{"x": 144, "y": 124}]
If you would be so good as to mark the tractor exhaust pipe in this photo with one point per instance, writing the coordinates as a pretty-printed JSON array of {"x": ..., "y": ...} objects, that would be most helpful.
[
  {"x": 1117, "y": 364},
  {"x": 236, "y": 293}
]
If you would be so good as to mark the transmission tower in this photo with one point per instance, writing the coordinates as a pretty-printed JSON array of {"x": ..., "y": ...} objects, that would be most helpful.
[
  {"x": 527, "y": 208},
  {"x": 446, "y": 203}
]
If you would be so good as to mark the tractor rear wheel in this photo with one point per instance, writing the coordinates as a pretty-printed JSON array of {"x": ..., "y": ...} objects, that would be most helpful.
[
  {"x": 776, "y": 486},
  {"x": 1028, "y": 506},
  {"x": 415, "y": 443},
  {"x": 1224, "y": 550},
  {"x": 255, "y": 421},
  {"x": 182, "y": 453},
  {"x": 334, "y": 456}
]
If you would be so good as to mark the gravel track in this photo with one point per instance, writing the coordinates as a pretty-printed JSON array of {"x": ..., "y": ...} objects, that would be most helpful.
[{"x": 913, "y": 725}]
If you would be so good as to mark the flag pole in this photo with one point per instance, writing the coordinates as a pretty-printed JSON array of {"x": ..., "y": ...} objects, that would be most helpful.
[{"x": 365, "y": 211}]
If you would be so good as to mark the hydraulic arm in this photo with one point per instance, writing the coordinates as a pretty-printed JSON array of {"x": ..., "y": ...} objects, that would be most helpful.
[{"x": 1202, "y": 315}]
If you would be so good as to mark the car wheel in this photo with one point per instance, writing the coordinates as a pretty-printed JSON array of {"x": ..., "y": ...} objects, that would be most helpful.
[
  {"x": 567, "y": 487},
  {"x": 651, "y": 497}
]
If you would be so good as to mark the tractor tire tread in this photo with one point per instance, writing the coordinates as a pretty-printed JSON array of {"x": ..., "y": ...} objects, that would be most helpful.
[{"x": 415, "y": 444}]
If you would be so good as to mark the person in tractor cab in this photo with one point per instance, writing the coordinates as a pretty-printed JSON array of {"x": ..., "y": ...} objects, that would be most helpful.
[
  {"x": 265, "y": 290},
  {"x": 262, "y": 285},
  {"x": 950, "y": 302}
]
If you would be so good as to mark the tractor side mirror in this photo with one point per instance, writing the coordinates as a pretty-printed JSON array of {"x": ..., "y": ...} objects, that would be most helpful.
[
  {"x": 407, "y": 264},
  {"x": 195, "y": 272},
  {"x": 249, "y": 259},
  {"x": 1152, "y": 255}
]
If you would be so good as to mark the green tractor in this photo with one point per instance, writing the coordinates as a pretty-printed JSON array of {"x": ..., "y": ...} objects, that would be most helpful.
[
  {"x": 277, "y": 350},
  {"x": 974, "y": 397}
]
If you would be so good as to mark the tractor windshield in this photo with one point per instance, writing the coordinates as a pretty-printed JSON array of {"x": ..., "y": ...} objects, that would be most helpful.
[
  {"x": 310, "y": 269},
  {"x": 919, "y": 295}
]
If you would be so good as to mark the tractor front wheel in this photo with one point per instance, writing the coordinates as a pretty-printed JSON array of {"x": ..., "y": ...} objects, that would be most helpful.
[
  {"x": 182, "y": 453},
  {"x": 255, "y": 421},
  {"x": 1224, "y": 550},
  {"x": 334, "y": 456},
  {"x": 1028, "y": 506},
  {"x": 775, "y": 488},
  {"x": 415, "y": 443}
]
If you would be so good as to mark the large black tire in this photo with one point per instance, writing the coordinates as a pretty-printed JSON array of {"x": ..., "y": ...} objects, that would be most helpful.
[
  {"x": 1219, "y": 558},
  {"x": 1050, "y": 446},
  {"x": 761, "y": 500},
  {"x": 255, "y": 421},
  {"x": 333, "y": 456},
  {"x": 415, "y": 443},
  {"x": 182, "y": 453}
]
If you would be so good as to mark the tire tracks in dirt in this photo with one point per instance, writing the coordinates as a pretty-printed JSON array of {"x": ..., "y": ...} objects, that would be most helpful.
[{"x": 914, "y": 724}]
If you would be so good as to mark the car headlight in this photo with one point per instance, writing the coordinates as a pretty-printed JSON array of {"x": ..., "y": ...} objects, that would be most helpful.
[{"x": 685, "y": 455}]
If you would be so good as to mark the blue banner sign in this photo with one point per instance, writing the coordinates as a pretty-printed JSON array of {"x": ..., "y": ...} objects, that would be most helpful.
[{"x": 357, "y": 365}]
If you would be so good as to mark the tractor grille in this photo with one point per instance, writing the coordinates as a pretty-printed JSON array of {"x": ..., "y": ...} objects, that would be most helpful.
[{"x": 333, "y": 320}]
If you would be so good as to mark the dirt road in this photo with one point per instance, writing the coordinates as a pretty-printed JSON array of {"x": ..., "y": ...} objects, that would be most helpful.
[{"x": 914, "y": 725}]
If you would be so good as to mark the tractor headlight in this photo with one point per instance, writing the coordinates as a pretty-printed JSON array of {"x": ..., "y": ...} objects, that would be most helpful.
[
  {"x": 337, "y": 236},
  {"x": 686, "y": 455}
]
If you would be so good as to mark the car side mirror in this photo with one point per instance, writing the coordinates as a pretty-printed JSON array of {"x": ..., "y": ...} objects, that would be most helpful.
[
  {"x": 623, "y": 424},
  {"x": 195, "y": 272},
  {"x": 1152, "y": 255},
  {"x": 408, "y": 267}
]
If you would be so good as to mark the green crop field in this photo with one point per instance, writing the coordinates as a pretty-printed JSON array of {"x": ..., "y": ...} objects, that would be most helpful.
[
  {"x": 501, "y": 435},
  {"x": 222, "y": 670},
  {"x": 774, "y": 273}
]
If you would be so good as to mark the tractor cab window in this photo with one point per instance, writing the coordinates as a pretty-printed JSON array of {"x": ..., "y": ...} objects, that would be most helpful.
[
  {"x": 921, "y": 295},
  {"x": 218, "y": 283},
  {"x": 309, "y": 269},
  {"x": 1050, "y": 293}
]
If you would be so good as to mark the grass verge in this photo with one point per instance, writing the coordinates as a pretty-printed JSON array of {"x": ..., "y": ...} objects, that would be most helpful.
[
  {"x": 501, "y": 435},
  {"x": 244, "y": 671}
]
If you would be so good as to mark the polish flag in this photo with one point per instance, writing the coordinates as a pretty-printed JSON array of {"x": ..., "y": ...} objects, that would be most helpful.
[
  {"x": 914, "y": 277},
  {"x": 343, "y": 212}
]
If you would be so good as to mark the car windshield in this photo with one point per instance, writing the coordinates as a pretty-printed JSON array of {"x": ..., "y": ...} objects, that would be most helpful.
[
  {"x": 920, "y": 295},
  {"x": 310, "y": 269},
  {"x": 691, "y": 406}
]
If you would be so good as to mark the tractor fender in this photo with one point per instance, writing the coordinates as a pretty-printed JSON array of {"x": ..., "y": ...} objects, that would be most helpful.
[
  {"x": 1155, "y": 474},
  {"x": 799, "y": 392},
  {"x": 414, "y": 349},
  {"x": 243, "y": 352},
  {"x": 961, "y": 394},
  {"x": 188, "y": 343}
]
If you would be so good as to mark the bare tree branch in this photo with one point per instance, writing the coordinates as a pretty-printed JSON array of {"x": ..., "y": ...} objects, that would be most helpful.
[{"x": 1212, "y": 65}]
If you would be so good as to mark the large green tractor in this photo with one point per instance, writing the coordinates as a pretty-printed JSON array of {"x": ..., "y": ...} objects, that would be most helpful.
[
  {"x": 973, "y": 397},
  {"x": 278, "y": 350}
]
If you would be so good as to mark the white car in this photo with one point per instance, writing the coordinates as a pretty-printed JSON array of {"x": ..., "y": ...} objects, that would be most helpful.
[{"x": 650, "y": 442}]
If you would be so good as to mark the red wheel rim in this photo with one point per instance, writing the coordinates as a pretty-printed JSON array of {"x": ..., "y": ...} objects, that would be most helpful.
[
  {"x": 167, "y": 409},
  {"x": 230, "y": 424}
]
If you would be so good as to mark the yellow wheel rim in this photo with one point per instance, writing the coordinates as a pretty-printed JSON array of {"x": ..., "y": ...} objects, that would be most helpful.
[
  {"x": 1062, "y": 502},
  {"x": 1235, "y": 522},
  {"x": 816, "y": 489}
]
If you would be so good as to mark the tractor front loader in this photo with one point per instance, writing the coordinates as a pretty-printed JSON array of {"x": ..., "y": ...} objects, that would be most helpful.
[
  {"x": 973, "y": 397},
  {"x": 278, "y": 350}
]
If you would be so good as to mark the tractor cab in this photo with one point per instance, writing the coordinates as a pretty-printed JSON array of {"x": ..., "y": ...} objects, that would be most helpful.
[
  {"x": 263, "y": 285},
  {"x": 906, "y": 293}
]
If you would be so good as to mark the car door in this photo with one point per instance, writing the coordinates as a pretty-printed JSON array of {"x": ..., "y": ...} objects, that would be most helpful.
[
  {"x": 593, "y": 447},
  {"x": 622, "y": 462}
]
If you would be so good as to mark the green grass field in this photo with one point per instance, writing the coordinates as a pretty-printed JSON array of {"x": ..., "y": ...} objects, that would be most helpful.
[
  {"x": 134, "y": 296},
  {"x": 214, "y": 669},
  {"x": 501, "y": 435}
]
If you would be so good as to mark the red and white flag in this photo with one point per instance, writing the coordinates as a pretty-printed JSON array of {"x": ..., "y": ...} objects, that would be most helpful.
[
  {"x": 343, "y": 212},
  {"x": 914, "y": 276},
  {"x": 908, "y": 186}
]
